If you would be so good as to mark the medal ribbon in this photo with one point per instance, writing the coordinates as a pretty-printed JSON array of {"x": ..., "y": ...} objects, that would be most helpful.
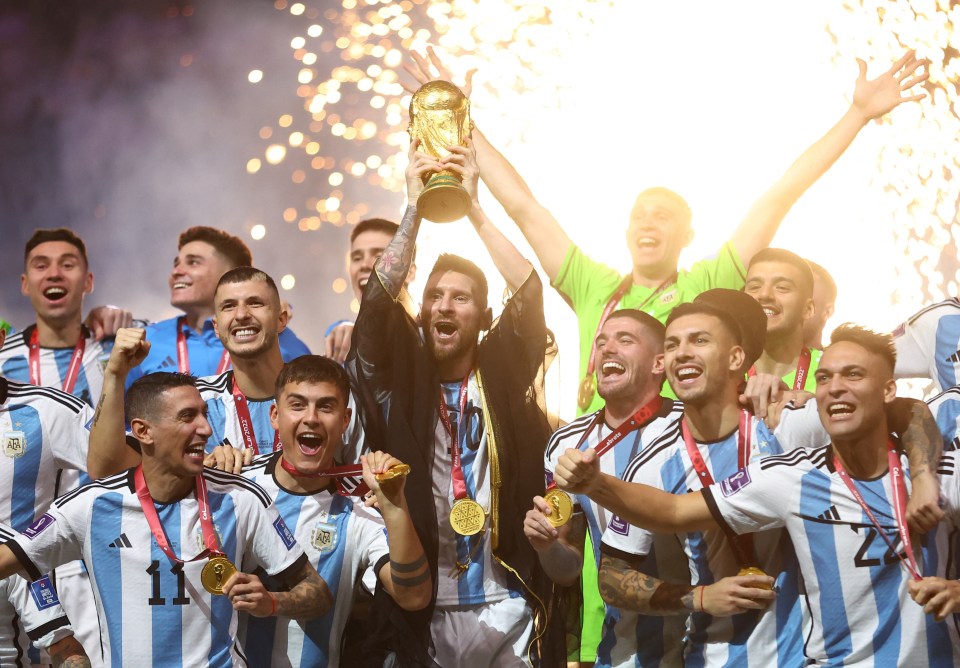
[
  {"x": 459, "y": 483},
  {"x": 337, "y": 472},
  {"x": 183, "y": 358},
  {"x": 803, "y": 368},
  {"x": 246, "y": 424},
  {"x": 742, "y": 545},
  {"x": 156, "y": 528},
  {"x": 636, "y": 421},
  {"x": 73, "y": 371},
  {"x": 621, "y": 290},
  {"x": 899, "y": 492}
]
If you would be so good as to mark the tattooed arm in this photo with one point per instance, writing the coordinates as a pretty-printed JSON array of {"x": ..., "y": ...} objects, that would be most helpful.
[
  {"x": 923, "y": 444},
  {"x": 407, "y": 576},
  {"x": 394, "y": 264},
  {"x": 68, "y": 653},
  {"x": 308, "y": 596},
  {"x": 623, "y": 586}
]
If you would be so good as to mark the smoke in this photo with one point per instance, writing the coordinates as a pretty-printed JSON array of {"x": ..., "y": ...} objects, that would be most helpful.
[{"x": 129, "y": 122}]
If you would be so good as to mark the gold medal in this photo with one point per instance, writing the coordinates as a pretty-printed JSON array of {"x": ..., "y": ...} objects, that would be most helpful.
[
  {"x": 753, "y": 570},
  {"x": 585, "y": 392},
  {"x": 215, "y": 574},
  {"x": 561, "y": 507},
  {"x": 467, "y": 517},
  {"x": 393, "y": 472}
]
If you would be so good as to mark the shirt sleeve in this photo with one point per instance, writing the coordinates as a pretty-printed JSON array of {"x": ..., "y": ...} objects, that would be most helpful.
[
  {"x": 752, "y": 499},
  {"x": 624, "y": 540},
  {"x": 372, "y": 545},
  {"x": 946, "y": 409},
  {"x": 71, "y": 439},
  {"x": 914, "y": 341},
  {"x": 949, "y": 476},
  {"x": 39, "y": 609},
  {"x": 54, "y": 538},
  {"x": 583, "y": 281},
  {"x": 273, "y": 546},
  {"x": 801, "y": 427},
  {"x": 291, "y": 347}
]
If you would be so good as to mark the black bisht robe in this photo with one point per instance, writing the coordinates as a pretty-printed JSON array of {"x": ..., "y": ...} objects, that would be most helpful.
[{"x": 398, "y": 382}]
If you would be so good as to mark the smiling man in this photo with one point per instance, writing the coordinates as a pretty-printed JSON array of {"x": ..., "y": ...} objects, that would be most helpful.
[
  {"x": 342, "y": 538},
  {"x": 151, "y": 535},
  {"x": 57, "y": 350},
  {"x": 843, "y": 506},
  {"x": 465, "y": 413},
  {"x": 189, "y": 343},
  {"x": 629, "y": 350}
]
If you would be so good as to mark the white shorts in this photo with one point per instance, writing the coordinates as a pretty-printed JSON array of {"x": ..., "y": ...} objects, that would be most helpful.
[{"x": 481, "y": 636}]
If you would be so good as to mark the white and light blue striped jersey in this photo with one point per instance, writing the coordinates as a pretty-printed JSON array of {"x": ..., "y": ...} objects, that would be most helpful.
[
  {"x": 627, "y": 638},
  {"x": 484, "y": 580},
  {"x": 217, "y": 392},
  {"x": 946, "y": 409},
  {"x": 154, "y": 611},
  {"x": 54, "y": 363},
  {"x": 856, "y": 586},
  {"x": 30, "y": 617},
  {"x": 928, "y": 344},
  {"x": 42, "y": 430},
  {"x": 772, "y": 637},
  {"x": 344, "y": 540}
]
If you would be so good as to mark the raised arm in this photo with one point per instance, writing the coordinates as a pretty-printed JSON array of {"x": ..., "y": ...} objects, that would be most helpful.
[
  {"x": 510, "y": 263},
  {"x": 407, "y": 576},
  {"x": 653, "y": 509},
  {"x": 109, "y": 452},
  {"x": 872, "y": 98},
  {"x": 548, "y": 240},
  {"x": 922, "y": 442}
]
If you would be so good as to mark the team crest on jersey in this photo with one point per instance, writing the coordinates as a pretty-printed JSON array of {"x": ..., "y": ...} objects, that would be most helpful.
[
  {"x": 668, "y": 296},
  {"x": 735, "y": 483},
  {"x": 14, "y": 444},
  {"x": 43, "y": 593},
  {"x": 324, "y": 537}
]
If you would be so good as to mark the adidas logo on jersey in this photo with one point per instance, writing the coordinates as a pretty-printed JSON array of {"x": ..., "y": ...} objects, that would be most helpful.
[
  {"x": 168, "y": 362},
  {"x": 830, "y": 514},
  {"x": 121, "y": 541}
]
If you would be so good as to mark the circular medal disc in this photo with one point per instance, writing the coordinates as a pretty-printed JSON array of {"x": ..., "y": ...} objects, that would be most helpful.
[
  {"x": 215, "y": 574},
  {"x": 393, "y": 472},
  {"x": 753, "y": 570},
  {"x": 467, "y": 517},
  {"x": 561, "y": 507},
  {"x": 585, "y": 392}
]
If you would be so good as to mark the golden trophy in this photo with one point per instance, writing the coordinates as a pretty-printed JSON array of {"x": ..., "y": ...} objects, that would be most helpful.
[{"x": 440, "y": 117}]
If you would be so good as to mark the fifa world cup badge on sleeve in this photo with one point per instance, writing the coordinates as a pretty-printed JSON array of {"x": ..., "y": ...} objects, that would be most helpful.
[{"x": 14, "y": 444}]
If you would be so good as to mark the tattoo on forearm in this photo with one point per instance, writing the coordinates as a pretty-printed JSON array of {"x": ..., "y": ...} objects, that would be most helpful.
[
  {"x": 623, "y": 586},
  {"x": 309, "y": 598},
  {"x": 921, "y": 438},
  {"x": 97, "y": 413},
  {"x": 394, "y": 263},
  {"x": 68, "y": 653}
]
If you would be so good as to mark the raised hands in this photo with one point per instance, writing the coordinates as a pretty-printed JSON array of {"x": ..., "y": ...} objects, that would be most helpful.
[
  {"x": 430, "y": 68},
  {"x": 129, "y": 349},
  {"x": 419, "y": 165},
  {"x": 873, "y": 98}
]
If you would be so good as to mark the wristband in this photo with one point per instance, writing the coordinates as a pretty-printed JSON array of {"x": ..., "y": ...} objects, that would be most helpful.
[{"x": 702, "y": 587}]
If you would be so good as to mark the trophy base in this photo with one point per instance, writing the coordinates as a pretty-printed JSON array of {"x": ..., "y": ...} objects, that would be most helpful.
[{"x": 443, "y": 200}]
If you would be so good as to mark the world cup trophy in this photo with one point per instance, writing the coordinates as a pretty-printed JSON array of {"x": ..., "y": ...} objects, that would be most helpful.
[{"x": 440, "y": 117}]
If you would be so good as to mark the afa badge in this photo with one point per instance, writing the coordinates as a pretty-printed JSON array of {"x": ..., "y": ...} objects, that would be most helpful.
[
  {"x": 324, "y": 537},
  {"x": 14, "y": 444}
]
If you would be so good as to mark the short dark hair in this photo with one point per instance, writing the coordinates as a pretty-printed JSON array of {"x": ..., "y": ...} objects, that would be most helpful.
[
  {"x": 142, "y": 399},
  {"x": 314, "y": 369},
  {"x": 644, "y": 319},
  {"x": 374, "y": 225},
  {"x": 230, "y": 247},
  {"x": 42, "y": 236},
  {"x": 244, "y": 274},
  {"x": 819, "y": 272},
  {"x": 786, "y": 257},
  {"x": 705, "y": 308},
  {"x": 461, "y": 265},
  {"x": 878, "y": 344}
]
